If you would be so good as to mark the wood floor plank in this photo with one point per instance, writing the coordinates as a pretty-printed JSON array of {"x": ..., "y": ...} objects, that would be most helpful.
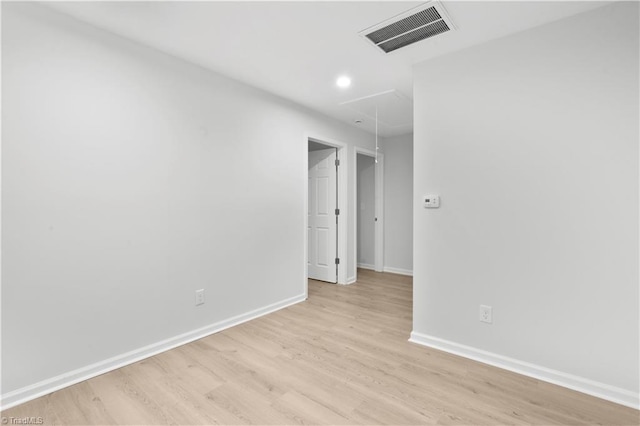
[{"x": 341, "y": 357}]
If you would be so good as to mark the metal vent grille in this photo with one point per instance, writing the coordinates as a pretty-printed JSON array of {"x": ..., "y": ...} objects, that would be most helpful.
[
  {"x": 421, "y": 33},
  {"x": 407, "y": 24},
  {"x": 410, "y": 27}
]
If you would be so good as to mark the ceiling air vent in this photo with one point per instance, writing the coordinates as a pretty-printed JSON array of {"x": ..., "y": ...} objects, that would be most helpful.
[{"x": 420, "y": 23}]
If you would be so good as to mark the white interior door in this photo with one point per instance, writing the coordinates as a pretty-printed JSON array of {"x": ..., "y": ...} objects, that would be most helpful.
[{"x": 322, "y": 228}]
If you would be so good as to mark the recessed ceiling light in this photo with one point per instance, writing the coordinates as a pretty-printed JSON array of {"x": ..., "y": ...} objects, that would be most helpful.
[{"x": 343, "y": 82}]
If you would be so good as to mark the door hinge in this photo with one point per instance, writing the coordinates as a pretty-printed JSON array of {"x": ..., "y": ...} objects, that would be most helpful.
[
  {"x": 337, "y": 260},
  {"x": 337, "y": 212},
  {"x": 337, "y": 162}
]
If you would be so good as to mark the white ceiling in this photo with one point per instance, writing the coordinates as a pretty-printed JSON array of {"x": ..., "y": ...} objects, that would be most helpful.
[{"x": 297, "y": 49}]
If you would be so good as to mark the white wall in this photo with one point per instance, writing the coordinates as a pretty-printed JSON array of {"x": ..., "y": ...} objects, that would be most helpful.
[
  {"x": 131, "y": 179},
  {"x": 366, "y": 211},
  {"x": 532, "y": 143},
  {"x": 398, "y": 204}
]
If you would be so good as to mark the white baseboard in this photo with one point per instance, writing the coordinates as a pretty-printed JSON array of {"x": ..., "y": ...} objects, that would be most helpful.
[
  {"x": 398, "y": 271},
  {"x": 366, "y": 266},
  {"x": 580, "y": 384},
  {"x": 53, "y": 384},
  {"x": 389, "y": 269}
]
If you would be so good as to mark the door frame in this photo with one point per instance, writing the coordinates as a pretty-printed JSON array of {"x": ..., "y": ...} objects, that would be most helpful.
[
  {"x": 324, "y": 166},
  {"x": 343, "y": 199},
  {"x": 379, "y": 208}
]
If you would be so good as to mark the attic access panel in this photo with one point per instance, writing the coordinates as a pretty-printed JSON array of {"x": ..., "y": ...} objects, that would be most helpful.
[
  {"x": 394, "y": 109},
  {"x": 412, "y": 26}
]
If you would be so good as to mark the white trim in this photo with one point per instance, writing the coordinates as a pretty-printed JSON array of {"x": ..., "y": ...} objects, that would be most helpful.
[
  {"x": 399, "y": 271},
  {"x": 379, "y": 201},
  {"x": 580, "y": 384},
  {"x": 366, "y": 266},
  {"x": 389, "y": 269},
  {"x": 343, "y": 204},
  {"x": 1, "y": 204},
  {"x": 36, "y": 390},
  {"x": 305, "y": 219},
  {"x": 379, "y": 208}
]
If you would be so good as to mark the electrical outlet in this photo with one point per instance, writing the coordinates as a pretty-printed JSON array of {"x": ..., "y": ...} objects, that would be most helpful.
[
  {"x": 200, "y": 297},
  {"x": 486, "y": 314}
]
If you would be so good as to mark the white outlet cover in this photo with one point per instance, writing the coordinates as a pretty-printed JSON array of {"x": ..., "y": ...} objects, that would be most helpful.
[
  {"x": 486, "y": 314},
  {"x": 199, "y": 297}
]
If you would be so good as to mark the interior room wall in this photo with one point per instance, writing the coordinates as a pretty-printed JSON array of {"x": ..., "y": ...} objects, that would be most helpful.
[
  {"x": 365, "y": 205},
  {"x": 532, "y": 143},
  {"x": 130, "y": 179},
  {"x": 398, "y": 204}
]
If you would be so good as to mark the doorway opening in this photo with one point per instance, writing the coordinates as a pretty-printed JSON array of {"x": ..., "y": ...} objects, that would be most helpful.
[
  {"x": 322, "y": 214},
  {"x": 366, "y": 211},
  {"x": 369, "y": 217},
  {"x": 325, "y": 211}
]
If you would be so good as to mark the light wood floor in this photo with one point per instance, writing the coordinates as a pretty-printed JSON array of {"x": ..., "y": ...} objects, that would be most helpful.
[{"x": 342, "y": 357}]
